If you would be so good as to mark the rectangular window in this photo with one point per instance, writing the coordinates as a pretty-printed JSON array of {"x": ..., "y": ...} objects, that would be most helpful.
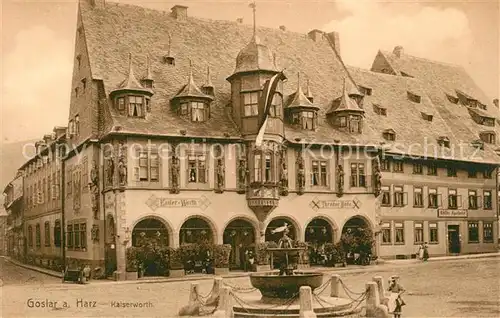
[
  {"x": 473, "y": 200},
  {"x": 251, "y": 104},
  {"x": 38, "y": 235},
  {"x": 257, "y": 166},
  {"x": 197, "y": 168},
  {"x": 487, "y": 173},
  {"x": 386, "y": 196},
  {"x": 354, "y": 125},
  {"x": 268, "y": 166},
  {"x": 386, "y": 233},
  {"x": 473, "y": 232},
  {"x": 399, "y": 232},
  {"x": 30, "y": 236},
  {"x": 385, "y": 165},
  {"x": 432, "y": 170},
  {"x": 57, "y": 233},
  {"x": 418, "y": 197},
  {"x": 487, "y": 201},
  {"x": 418, "y": 168},
  {"x": 358, "y": 178},
  {"x": 433, "y": 198},
  {"x": 451, "y": 172},
  {"x": 487, "y": 232},
  {"x": 452, "y": 199},
  {"x": 184, "y": 109},
  {"x": 342, "y": 121},
  {"x": 135, "y": 106},
  {"x": 143, "y": 166},
  {"x": 154, "y": 166},
  {"x": 399, "y": 196},
  {"x": 308, "y": 120},
  {"x": 296, "y": 118},
  {"x": 77, "y": 125},
  {"x": 419, "y": 232},
  {"x": 433, "y": 233},
  {"x": 319, "y": 174},
  {"x": 83, "y": 235},
  {"x": 70, "y": 235},
  {"x": 49, "y": 188},
  {"x": 47, "y": 233},
  {"x": 398, "y": 166},
  {"x": 120, "y": 103},
  {"x": 198, "y": 111}
]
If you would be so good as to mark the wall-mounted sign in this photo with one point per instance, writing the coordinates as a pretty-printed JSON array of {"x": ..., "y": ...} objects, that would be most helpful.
[
  {"x": 155, "y": 202},
  {"x": 335, "y": 204},
  {"x": 444, "y": 213},
  {"x": 262, "y": 202}
]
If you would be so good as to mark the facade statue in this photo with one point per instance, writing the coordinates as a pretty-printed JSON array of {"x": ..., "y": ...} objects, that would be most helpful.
[
  {"x": 220, "y": 172},
  {"x": 242, "y": 175},
  {"x": 340, "y": 180},
  {"x": 174, "y": 173},
  {"x": 377, "y": 174},
  {"x": 301, "y": 175},
  {"x": 94, "y": 189},
  {"x": 94, "y": 174},
  {"x": 122, "y": 172},
  {"x": 283, "y": 179},
  {"x": 110, "y": 171}
]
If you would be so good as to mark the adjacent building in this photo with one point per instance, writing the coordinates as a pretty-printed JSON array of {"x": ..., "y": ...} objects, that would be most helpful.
[
  {"x": 162, "y": 133},
  {"x": 13, "y": 227}
]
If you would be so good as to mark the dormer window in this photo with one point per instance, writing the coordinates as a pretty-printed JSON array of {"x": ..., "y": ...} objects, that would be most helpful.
[
  {"x": 472, "y": 103},
  {"x": 444, "y": 142},
  {"x": 389, "y": 134},
  {"x": 197, "y": 111},
  {"x": 342, "y": 121},
  {"x": 71, "y": 128},
  {"x": 300, "y": 111},
  {"x": 405, "y": 74},
  {"x": 77, "y": 125},
  {"x": 452, "y": 99},
  {"x": 135, "y": 106},
  {"x": 478, "y": 144},
  {"x": 251, "y": 103},
  {"x": 488, "y": 121},
  {"x": 482, "y": 106},
  {"x": 488, "y": 137},
  {"x": 379, "y": 110},
  {"x": 365, "y": 90},
  {"x": 413, "y": 97},
  {"x": 427, "y": 117}
]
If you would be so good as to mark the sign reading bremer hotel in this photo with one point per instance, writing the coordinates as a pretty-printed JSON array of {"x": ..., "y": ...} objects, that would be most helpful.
[{"x": 444, "y": 213}]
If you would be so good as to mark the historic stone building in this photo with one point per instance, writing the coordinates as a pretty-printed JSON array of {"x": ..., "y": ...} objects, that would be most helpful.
[
  {"x": 14, "y": 233},
  {"x": 164, "y": 115}
]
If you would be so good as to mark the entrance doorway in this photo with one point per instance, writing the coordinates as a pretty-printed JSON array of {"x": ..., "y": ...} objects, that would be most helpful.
[
  {"x": 357, "y": 241},
  {"x": 110, "y": 248},
  {"x": 318, "y": 233},
  {"x": 454, "y": 239},
  {"x": 240, "y": 234},
  {"x": 151, "y": 235}
]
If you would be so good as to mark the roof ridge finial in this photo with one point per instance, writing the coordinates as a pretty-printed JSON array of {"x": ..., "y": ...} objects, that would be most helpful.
[
  {"x": 190, "y": 69},
  {"x": 253, "y": 5},
  {"x": 209, "y": 81},
  {"x": 148, "y": 65},
  {"x": 308, "y": 92},
  {"x": 298, "y": 80}
]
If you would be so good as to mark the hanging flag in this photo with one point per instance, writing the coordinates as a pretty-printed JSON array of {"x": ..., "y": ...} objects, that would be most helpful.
[{"x": 267, "y": 100}]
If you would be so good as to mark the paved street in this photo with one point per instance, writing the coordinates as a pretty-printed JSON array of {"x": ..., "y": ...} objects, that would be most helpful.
[{"x": 465, "y": 288}]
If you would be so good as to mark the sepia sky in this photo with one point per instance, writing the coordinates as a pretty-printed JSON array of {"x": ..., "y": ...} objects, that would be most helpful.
[{"x": 38, "y": 43}]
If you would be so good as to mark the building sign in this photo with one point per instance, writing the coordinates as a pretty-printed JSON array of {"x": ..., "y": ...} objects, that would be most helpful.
[
  {"x": 155, "y": 202},
  {"x": 262, "y": 202},
  {"x": 443, "y": 213},
  {"x": 335, "y": 204}
]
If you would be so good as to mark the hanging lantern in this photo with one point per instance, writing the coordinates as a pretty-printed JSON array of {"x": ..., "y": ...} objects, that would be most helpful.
[
  {"x": 188, "y": 232},
  {"x": 245, "y": 233},
  {"x": 233, "y": 233},
  {"x": 158, "y": 233},
  {"x": 323, "y": 230},
  {"x": 311, "y": 230},
  {"x": 143, "y": 234},
  {"x": 203, "y": 232}
]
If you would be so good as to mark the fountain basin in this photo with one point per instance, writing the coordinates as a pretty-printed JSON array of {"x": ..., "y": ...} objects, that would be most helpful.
[{"x": 272, "y": 285}]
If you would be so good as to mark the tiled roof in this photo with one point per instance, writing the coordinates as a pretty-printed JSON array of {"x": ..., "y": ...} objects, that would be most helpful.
[
  {"x": 191, "y": 89},
  {"x": 298, "y": 99},
  {"x": 345, "y": 102},
  {"x": 114, "y": 31},
  {"x": 130, "y": 82}
]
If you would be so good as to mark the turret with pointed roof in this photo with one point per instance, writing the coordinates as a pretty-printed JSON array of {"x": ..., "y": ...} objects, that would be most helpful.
[
  {"x": 191, "y": 89},
  {"x": 130, "y": 83},
  {"x": 345, "y": 103}
]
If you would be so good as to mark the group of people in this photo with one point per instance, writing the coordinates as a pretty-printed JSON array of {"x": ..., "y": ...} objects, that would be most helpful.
[{"x": 423, "y": 252}]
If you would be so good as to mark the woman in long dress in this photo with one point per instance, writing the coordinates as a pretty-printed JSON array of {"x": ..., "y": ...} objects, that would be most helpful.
[
  {"x": 421, "y": 252},
  {"x": 425, "y": 255},
  {"x": 395, "y": 300}
]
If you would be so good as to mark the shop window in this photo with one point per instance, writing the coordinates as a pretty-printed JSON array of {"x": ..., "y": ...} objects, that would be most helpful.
[
  {"x": 418, "y": 168},
  {"x": 399, "y": 233},
  {"x": 453, "y": 199},
  {"x": 398, "y": 166},
  {"x": 487, "y": 201},
  {"x": 386, "y": 233},
  {"x": 197, "y": 168},
  {"x": 358, "y": 177},
  {"x": 399, "y": 196},
  {"x": 473, "y": 232},
  {"x": 433, "y": 233},
  {"x": 487, "y": 232},
  {"x": 431, "y": 170},
  {"x": 418, "y": 197},
  {"x": 419, "y": 232},
  {"x": 251, "y": 104},
  {"x": 319, "y": 175},
  {"x": 386, "y": 196},
  {"x": 47, "y": 233}
]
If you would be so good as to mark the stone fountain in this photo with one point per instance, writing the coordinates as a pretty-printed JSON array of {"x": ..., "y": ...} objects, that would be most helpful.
[{"x": 280, "y": 290}]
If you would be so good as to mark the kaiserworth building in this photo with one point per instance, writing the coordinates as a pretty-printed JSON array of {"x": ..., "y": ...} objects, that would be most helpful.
[{"x": 163, "y": 124}]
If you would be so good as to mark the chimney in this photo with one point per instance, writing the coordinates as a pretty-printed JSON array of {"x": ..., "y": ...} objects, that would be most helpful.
[
  {"x": 180, "y": 12},
  {"x": 282, "y": 28},
  {"x": 60, "y": 131},
  {"x": 398, "y": 51},
  {"x": 495, "y": 102},
  {"x": 315, "y": 35},
  {"x": 47, "y": 139},
  {"x": 334, "y": 39}
]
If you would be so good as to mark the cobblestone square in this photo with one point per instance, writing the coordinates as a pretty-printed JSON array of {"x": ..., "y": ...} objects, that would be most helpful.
[{"x": 466, "y": 288}]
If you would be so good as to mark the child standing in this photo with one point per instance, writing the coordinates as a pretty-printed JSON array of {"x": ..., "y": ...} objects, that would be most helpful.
[{"x": 395, "y": 300}]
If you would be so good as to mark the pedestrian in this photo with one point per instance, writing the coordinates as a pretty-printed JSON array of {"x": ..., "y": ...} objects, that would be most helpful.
[
  {"x": 426, "y": 252},
  {"x": 421, "y": 252},
  {"x": 395, "y": 300}
]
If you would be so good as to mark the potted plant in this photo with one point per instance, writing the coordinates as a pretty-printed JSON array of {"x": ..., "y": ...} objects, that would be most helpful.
[
  {"x": 176, "y": 265},
  {"x": 262, "y": 256},
  {"x": 131, "y": 265},
  {"x": 221, "y": 254},
  {"x": 303, "y": 260}
]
